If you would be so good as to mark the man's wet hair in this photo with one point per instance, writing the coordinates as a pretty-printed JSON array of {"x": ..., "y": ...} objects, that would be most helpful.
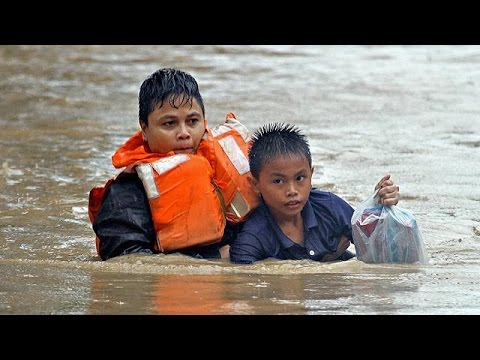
[{"x": 172, "y": 85}]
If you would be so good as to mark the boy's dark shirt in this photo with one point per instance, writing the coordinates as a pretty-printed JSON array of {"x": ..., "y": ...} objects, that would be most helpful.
[
  {"x": 124, "y": 223},
  {"x": 326, "y": 218}
]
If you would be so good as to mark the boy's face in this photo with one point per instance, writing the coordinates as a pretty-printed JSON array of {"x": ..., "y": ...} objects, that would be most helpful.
[
  {"x": 170, "y": 129},
  {"x": 285, "y": 184}
]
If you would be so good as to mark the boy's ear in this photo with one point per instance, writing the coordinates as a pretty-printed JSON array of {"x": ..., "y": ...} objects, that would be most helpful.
[
  {"x": 312, "y": 169},
  {"x": 253, "y": 183}
]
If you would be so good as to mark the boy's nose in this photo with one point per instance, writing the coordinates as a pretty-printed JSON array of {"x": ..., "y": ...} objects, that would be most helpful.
[{"x": 291, "y": 189}]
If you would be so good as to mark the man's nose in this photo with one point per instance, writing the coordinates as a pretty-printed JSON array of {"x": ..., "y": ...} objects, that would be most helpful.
[{"x": 183, "y": 132}]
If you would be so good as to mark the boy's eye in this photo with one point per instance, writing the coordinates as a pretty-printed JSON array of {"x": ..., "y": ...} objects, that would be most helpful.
[
  {"x": 301, "y": 177},
  {"x": 277, "y": 181},
  {"x": 193, "y": 121}
]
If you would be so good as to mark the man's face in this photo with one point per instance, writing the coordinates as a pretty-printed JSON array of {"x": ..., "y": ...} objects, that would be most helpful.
[{"x": 171, "y": 129}]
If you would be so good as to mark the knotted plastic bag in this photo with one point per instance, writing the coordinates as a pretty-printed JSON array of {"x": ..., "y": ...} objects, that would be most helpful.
[{"x": 386, "y": 234}]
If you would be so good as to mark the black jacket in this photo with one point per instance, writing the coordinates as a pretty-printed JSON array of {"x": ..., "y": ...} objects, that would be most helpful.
[{"x": 124, "y": 223}]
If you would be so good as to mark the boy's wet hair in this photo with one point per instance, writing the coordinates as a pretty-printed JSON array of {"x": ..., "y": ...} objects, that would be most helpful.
[
  {"x": 172, "y": 85},
  {"x": 273, "y": 140}
]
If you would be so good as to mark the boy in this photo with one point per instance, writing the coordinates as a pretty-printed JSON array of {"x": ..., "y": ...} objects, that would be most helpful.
[
  {"x": 294, "y": 220},
  {"x": 180, "y": 182}
]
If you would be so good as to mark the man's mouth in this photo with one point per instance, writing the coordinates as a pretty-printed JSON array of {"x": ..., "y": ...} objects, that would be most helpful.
[{"x": 188, "y": 150}]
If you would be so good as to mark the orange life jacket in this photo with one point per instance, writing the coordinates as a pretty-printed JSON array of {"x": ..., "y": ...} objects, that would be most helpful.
[
  {"x": 226, "y": 148},
  {"x": 187, "y": 210},
  {"x": 190, "y": 210}
]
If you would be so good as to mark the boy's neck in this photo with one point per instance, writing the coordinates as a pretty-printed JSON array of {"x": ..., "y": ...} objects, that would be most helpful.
[{"x": 293, "y": 228}]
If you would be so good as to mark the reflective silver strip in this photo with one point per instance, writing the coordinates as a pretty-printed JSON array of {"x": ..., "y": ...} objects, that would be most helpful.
[
  {"x": 239, "y": 206},
  {"x": 232, "y": 124},
  {"x": 235, "y": 154},
  {"x": 145, "y": 173},
  {"x": 239, "y": 127},
  {"x": 219, "y": 130},
  {"x": 168, "y": 163}
]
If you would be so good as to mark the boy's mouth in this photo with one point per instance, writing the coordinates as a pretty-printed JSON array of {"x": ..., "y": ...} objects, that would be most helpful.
[{"x": 293, "y": 203}]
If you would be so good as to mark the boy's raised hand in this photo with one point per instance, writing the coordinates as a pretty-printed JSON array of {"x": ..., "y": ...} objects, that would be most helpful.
[{"x": 389, "y": 193}]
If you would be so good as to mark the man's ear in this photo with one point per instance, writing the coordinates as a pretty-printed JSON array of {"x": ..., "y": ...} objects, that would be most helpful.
[
  {"x": 254, "y": 184},
  {"x": 144, "y": 128},
  {"x": 312, "y": 169}
]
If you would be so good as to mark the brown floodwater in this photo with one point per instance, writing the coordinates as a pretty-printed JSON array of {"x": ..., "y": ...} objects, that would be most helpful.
[{"x": 411, "y": 111}]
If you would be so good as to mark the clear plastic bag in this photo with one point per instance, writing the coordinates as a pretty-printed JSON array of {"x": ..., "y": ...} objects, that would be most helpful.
[{"x": 386, "y": 234}]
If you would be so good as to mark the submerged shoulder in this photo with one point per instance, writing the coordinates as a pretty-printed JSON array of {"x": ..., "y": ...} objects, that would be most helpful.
[{"x": 126, "y": 188}]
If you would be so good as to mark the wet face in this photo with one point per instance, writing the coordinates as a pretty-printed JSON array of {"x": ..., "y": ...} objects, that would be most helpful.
[
  {"x": 285, "y": 184},
  {"x": 178, "y": 130}
]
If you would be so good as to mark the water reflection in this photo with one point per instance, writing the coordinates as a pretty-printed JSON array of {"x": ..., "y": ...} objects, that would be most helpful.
[
  {"x": 368, "y": 292},
  {"x": 196, "y": 294},
  {"x": 164, "y": 295}
]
